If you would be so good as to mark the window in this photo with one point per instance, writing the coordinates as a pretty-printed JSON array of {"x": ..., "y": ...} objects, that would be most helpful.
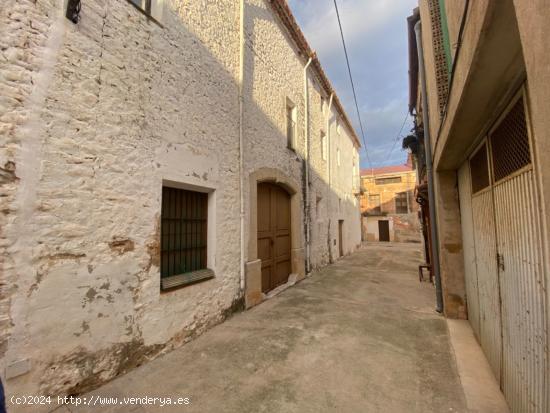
[
  {"x": 374, "y": 204},
  {"x": 401, "y": 203},
  {"x": 510, "y": 143},
  {"x": 323, "y": 146},
  {"x": 152, "y": 8},
  {"x": 338, "y": 127},
  {"x": 388, "y": 180},
  {"x": 183, "y": 246},
  {"x": 479, "y": 170},
  {"x": 291, "y": 124},
  {"x": 338, "y": 156}
]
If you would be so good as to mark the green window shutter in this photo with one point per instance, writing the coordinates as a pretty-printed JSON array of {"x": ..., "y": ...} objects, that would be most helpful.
[{"x": 445, "y": 33}]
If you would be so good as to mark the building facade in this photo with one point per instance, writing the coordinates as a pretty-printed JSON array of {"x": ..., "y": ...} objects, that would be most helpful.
[
  {"x": 388, "y": 208},
  {"x": 479, "y": 88},
  {"x": 162, "y": 166}
]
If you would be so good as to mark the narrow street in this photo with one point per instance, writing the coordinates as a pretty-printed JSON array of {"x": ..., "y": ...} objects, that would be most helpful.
[{"x": 357, "y": 336}]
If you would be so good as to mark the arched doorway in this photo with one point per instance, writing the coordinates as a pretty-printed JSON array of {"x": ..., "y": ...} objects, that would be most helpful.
[{"x": 274, "y": 235}]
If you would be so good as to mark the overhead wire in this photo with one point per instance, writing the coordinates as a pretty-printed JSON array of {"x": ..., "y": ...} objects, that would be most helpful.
[
  {"x": 352, "y": 84},
  {"x": 397, "y": 137}
]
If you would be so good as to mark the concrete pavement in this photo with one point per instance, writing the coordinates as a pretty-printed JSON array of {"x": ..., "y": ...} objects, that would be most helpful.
[{"x": 358, "y": 336}]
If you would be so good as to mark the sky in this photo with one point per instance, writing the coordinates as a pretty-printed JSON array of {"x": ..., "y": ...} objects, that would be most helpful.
[{"x": 376, "y": 38}]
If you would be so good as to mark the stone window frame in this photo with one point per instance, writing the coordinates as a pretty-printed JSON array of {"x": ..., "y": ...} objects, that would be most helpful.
[
  {"x": 399, "y": 198},
  {"x": 185, "y": 279},
  {"x": 291, "y": 120},
  {"x": 324, "y": 146},
  {"x": 153, "y": 9}
]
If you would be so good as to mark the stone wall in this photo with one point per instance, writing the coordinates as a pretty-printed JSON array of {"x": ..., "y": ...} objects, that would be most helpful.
[{"x": 94, "y": 118}]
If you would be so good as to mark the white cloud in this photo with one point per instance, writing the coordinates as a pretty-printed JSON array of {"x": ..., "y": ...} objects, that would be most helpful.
[{"x": 376, "y": 38}]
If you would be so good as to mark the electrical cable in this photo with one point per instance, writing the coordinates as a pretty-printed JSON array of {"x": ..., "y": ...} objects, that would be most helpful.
[{"x": 352, "y": 84}]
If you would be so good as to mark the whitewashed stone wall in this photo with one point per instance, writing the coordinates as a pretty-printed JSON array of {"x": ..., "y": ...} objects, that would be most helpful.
[{"x": 93, "y": 118}]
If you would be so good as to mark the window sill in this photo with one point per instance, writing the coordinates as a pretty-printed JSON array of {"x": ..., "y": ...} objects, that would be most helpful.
[
  {"x": 149, "y": 17},
  {"x": 183, "y": 280}
]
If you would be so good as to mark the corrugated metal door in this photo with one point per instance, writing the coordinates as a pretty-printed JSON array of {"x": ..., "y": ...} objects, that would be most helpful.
[
  {"x": 469, "y": 248},
  {"x": 507, "y": 238},
  {"x": 519, "y": 243},
  {"x": 483, "y": 214}
]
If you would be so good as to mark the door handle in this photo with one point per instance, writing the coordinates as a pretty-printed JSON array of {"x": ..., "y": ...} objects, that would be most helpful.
[{"x": 500, "y": 262}]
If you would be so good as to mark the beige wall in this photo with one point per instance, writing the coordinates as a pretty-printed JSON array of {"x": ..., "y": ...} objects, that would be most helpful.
[
  {"x": 403, "y": 227},
  {"x": 94, "y": 118},
  {"x": 534, "y": 32}
]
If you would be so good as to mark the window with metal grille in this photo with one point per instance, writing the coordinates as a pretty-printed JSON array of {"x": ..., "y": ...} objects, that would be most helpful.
[
  {"x": 151, "y": 8},
  {"x": 291, "y": 116},
  {"x": 479, "y": 170},
  {"x": 401, "y": 203},
  {"x": 441, "y": 67},
  {"x": 374, "y": 204},
  {"x": 388, "y": 180},
  {"x": 184, "y": 217},
  {"x": 510, "y": 143}
]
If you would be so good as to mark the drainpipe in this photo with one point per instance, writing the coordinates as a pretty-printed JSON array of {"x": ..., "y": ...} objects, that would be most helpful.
[
  {"x": 429, "y": 171},
  {"x": 241, "y": 144},
  {"x": 306, "y": 136},
  {"x": 329, "y": 157},
  {"x": 328, "y": 140}
]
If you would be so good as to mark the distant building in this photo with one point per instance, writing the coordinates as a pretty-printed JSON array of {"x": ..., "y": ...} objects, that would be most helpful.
[{"x": 389, "y": 211}]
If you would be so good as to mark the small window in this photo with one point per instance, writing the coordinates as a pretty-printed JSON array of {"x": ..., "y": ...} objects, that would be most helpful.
[
  {"x": 291, "y": 117},
  {"x": 151, "y": 8},
  {"x": 510, "y": 143},
  {"x": 323, "y": 146},
  {"x": 388, "y": 180},
  {"x": 401, "y": 203},
  {"x": 338, "y": 156},
  {"x": 184, "y": 217},
  {"x": 374, "y": 204},
  {"x": 338, "y": 127},
  {"x": 479, "y": 170}
]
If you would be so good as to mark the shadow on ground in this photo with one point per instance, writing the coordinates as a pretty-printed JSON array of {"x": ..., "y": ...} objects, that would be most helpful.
[{"x": 358, "y": 336}]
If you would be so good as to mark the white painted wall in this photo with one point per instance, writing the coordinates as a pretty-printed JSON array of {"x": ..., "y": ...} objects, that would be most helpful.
[{"x": 94, "y": 118}]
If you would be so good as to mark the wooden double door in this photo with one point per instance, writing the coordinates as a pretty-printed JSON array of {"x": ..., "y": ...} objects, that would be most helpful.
[{"x": 274, "y": 235}]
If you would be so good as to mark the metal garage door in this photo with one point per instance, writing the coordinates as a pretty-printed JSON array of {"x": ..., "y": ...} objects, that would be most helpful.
[{"x": 509, "y": 278}]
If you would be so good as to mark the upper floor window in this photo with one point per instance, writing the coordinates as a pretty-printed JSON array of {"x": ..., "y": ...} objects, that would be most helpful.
[
  {"x": 388, "y": 180},
  {"x": 374, "y": 206},
  {"x": 291, "y": 118},
  {"x": 401, "y": 203},
  {"x": 338, "y": 127},
  {"x": 152, "y": 8},
  {"x": 323, "y": 146}
]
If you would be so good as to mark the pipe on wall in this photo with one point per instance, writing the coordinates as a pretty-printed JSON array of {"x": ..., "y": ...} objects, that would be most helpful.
[
  {"x": 329, "y": 157},
  {"x": 241, "y": 143},
  {"x": 429, "y": 171},
  {"x": 306, "y": 137}
]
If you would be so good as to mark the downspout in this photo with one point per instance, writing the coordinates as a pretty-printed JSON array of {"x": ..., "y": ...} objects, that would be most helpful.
[
  {"x": 329, "y": 158},
  {"x": 328, "y": 140},
  {"x": 306, "y": 136},
  {"x": 429, "y": 171},
  {"x": 241, "y": 144}
]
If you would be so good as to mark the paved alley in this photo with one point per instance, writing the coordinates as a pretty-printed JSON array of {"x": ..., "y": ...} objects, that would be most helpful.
[{"x": 357, "y": 336}]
